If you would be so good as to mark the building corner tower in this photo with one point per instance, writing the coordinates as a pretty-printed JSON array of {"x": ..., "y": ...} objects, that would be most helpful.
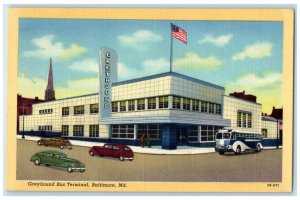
[{"x": 49, "y": 92}]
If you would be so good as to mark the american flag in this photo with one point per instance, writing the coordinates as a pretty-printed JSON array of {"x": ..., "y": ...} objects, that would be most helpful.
[{"x": 179, "y": 33}]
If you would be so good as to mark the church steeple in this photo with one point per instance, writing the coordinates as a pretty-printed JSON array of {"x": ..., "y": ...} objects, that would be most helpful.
[{"x": 50, "y": 93}]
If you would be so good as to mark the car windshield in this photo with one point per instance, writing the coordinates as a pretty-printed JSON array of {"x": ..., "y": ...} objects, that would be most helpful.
[
  {"x": 226, "y": 135},
  {"x": 66, "y": 140}
]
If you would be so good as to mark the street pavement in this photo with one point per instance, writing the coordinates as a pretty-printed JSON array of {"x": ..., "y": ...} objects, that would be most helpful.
[{"x": 264, "y": 166}]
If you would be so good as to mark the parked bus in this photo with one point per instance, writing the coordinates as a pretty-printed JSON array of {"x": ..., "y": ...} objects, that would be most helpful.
[{"x": 228, "y": 140}]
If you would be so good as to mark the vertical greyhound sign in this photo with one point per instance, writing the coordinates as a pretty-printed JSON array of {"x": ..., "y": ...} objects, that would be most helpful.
[{"x": 107, "y": 75}]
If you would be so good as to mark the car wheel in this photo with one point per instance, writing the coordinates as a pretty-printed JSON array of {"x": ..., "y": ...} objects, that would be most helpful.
[
  {"x": 92, "y": 153},
  {"x": 82, "y": 170},
  {"x": 61, "y": 147},
  {"x": 238, "y": 150},
  {"x": 221, "y": 152},
  {"x": 37, "y": 162},
  {"x": 258, "y": 148},
  {"x": 39, "y": 143},
  {"x": 69, "y": 169},
  {"x": 70, "y": 148},
  {"x": 121, "y": 158}
]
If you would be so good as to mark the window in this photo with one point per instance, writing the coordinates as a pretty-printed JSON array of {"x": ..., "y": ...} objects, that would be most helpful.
[
  {"x": 249, "y": 120},
  {"x": 207, "y": 133},
  {"x": 244, "y": 119},
  {"x": 94, "y": 130},
  {"x": 244, "y": 122},
  {"x": 141, "y": 104},
  {"x": 152, "y": 103},
  {"x": 65, "y": 111},
  {"x": 163, "y": 102},
  {"x": 45, "y": 111},
  {"x": 154, "y": 131},
  {"x": 239, "y": 119},
  {"x": 264, "y": 133},
  {"x": 123, "y": 131},
  {"x": 176, "y": 102},
  {"x": 193, "y": 134},
  {"x": 114, "y": 106},
  {"x": 218, "y": 109},
  {"x": 203, "y": 106},
  {"x": 79, "y": 110},
  {"x": 65, "y": 130},
  {"x": 94, "y": 108},
  {"x": 186, "y": 104},
  {"x": 195, "y": 105},
  {"x": 123, "y": 106},
  {"x": 211, "y": 108},
  {"x": 78, "y": 130},
  {"x": 131, "y": 105}
]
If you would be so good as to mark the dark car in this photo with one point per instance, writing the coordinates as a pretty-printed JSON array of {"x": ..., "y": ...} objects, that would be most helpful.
[
  {"x": 120, "y": 151},
  {"x": 58, "y": 142},
  {"x": 57, "y": 159}
]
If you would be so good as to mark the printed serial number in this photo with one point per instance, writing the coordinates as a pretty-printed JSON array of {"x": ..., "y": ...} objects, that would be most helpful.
[{"x": 273, "y": 185}]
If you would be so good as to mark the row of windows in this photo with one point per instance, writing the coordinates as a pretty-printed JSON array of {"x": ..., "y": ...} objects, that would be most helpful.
[
  {"x": 244, "y": 119},
  {"x": 163, "y": 102},
  {"x": 79, "y": 110},
  {"x": 45, "y": 128},
  {"x": 122, "y": 131},
  {"x": 78, "y": 130},
  {"x": 46, "y": 111}
]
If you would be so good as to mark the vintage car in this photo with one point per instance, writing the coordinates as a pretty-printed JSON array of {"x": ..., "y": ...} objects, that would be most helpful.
[
  {"x": 58, "y": 142},
  {"x": 120, "y": 151},
  {"x": 57, "y": 159}
]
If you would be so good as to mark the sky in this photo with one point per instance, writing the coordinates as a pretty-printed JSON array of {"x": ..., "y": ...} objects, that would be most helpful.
[{"x": 240, "y": 56}]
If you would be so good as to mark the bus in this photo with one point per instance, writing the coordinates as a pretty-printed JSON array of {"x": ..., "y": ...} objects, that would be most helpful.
[{"x": 228, "y": 140}]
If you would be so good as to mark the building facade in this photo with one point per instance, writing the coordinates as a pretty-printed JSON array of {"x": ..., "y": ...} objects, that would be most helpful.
[{"x": 171, "y": 108}]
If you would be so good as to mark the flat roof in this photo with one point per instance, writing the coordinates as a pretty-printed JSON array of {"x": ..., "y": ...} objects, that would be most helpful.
[
  {"x": 168, "y": 74},
  {"x": 147, "y": 78},
  {"x": 242, "y": 99}
]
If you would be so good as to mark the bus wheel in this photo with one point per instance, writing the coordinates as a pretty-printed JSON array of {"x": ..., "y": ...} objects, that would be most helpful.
[
  {"x": 238, "y": 150},
  {"x": 258, "y": 148},
  {"x": 221, "y": 152}
]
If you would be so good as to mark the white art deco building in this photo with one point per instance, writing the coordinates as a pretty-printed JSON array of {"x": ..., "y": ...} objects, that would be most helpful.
[{"x": 173, "y": 109}]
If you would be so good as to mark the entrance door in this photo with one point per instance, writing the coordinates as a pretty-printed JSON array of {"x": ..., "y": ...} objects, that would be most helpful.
[{"x": 181, "y": 134}]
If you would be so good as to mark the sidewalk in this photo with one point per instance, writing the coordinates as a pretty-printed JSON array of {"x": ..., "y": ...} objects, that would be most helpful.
[{"x": 181, "y": 150}]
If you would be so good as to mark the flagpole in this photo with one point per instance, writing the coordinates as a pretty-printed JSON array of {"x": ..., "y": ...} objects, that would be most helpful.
[{"x": 171, "y": 50}]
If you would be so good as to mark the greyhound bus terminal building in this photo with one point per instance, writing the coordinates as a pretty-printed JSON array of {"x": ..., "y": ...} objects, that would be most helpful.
[{"x": 173, "y": 109}]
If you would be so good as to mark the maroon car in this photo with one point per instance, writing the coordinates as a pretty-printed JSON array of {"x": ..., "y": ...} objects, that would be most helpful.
[{"x": 120, "y": 151}]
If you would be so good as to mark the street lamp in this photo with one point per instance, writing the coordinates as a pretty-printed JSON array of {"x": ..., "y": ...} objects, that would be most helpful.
[
  {"x": 23, "y": 136},
  {"x": 277, "y": 142}
]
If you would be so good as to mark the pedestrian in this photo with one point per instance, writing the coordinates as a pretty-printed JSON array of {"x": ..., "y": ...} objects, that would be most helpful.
[
  {"x": 148, "y": 141},
  {"x": 142, "y": 140}
]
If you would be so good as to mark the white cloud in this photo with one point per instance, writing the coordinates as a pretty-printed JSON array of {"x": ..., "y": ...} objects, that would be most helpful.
[
  {"x": 33, "y": 87},
  {"x": 267, "y": 88},
  {"x": 194, "y": 60},
  {"x": 139, "y": 39},
  {"x": 149, "y": 67},
  {"x": 216, "y": 40},
  {"x": 87, "y": 65},
  {"x": 45, "y": 47},
  {"x": 255, "y": 81},
  {"x": 254, "y": 51},
  {"x": 78, "y": 87}
]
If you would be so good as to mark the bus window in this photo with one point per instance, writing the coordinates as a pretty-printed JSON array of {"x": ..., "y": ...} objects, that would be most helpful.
[
  {"x": 219, "y": 136},
  {"x": 233, "y": 136},
  {"x": 226, "y": 135}
]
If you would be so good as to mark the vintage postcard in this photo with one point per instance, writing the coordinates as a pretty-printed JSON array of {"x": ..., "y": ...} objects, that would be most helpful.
[{"x": 150, "y": 100}]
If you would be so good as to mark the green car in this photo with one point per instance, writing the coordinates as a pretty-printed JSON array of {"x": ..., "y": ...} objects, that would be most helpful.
[{"x": 57, "y": 159}]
